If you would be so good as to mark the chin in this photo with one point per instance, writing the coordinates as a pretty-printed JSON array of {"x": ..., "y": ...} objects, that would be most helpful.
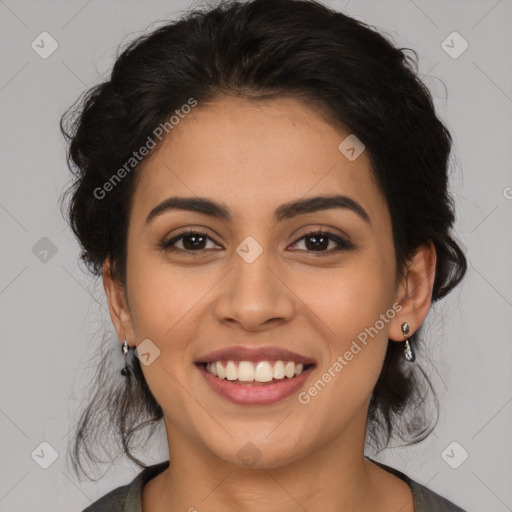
[{"x": 255, "y": 452}]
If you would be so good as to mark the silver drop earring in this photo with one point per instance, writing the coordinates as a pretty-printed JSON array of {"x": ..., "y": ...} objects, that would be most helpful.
[
  {"x": 125, "y": 371},
  {"x": 408, "y": 353}
]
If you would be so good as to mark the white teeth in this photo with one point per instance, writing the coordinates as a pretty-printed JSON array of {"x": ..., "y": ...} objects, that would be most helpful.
[
  {"x": 247, "y": 371},
  {"x": 263, "y": 372},
  {"x": 231, "y": 371},
  {"x": 279, "y": 370},
  {"x": 220, "y": 370},
  {"x": 289, "y": 370}
]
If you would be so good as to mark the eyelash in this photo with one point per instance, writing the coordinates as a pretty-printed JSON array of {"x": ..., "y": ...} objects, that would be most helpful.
[{"x": 343, "y": 244}]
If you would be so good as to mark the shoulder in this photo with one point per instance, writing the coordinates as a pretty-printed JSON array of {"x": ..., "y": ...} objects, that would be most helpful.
[
  {"x": 114, "y": 501},
  {"x": 127, "y": 498},
  {"x": 425, "y": 500}
]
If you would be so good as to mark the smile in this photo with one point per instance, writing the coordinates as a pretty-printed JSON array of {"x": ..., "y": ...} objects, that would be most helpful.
[
  {"x": 255, "y": 371},
  {"x": 247, "y": 375},
  {"x": 265, "y": 383}
]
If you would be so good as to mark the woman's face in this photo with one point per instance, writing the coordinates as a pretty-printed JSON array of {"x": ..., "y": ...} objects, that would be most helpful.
[{"x": 251, "y": 281}]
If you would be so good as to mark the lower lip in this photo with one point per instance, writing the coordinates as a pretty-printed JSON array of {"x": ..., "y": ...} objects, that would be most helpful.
[{"x": 257, "y": 394}]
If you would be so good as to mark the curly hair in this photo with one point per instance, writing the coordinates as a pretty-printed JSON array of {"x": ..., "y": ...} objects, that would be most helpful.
[{"x": 261, "y": 49}]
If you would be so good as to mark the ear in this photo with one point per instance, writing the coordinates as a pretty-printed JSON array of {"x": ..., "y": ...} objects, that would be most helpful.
[
  {"x": 118, "y": 305},
  {"x": 415, "y": 292}
]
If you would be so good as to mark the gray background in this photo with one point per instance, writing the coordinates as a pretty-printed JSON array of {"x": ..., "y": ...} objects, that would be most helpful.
[{"x": 51, "y": 310}]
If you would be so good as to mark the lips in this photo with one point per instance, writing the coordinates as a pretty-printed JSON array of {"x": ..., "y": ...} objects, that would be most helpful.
[
  {"x": 255, "y": 376},
  {"x": 254, "y": 354}
]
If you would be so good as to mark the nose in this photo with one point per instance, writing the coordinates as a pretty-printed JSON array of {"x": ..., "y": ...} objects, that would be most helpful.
[{"x": 254, "y": 297}]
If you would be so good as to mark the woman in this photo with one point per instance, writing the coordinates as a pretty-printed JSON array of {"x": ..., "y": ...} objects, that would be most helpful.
[{"x": 263, "y": 187}]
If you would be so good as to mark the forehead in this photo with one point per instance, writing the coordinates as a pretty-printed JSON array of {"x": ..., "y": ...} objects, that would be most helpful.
[{"x": 254, "y": 156}]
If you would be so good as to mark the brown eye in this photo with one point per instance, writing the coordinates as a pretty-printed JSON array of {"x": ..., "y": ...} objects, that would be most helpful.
[
  {"x": 318, "y": 241},
  {"x": 191, "y": 241}
]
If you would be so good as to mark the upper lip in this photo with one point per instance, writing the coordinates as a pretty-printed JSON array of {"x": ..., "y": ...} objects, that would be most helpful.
[{"x": 240, "y": 353}]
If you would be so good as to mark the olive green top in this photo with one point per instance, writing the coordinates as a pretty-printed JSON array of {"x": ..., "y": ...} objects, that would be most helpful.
[{"x": 128, "y": 498}]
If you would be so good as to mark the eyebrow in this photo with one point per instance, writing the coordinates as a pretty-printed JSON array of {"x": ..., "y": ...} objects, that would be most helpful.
[{"x": 285, "y": 211}]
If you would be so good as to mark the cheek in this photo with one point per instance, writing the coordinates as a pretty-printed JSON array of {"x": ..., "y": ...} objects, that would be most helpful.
[
  {"x": 161, "y": 295},
  {"x": 348, "y": 300},
  {"x": 356, "y": 307},
  {"x": 163, "y": 303},
  {"x": 168, "y": 304}
]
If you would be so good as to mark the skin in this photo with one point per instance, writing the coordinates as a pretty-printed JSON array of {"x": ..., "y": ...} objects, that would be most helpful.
[{"x": 253, "y": 157}]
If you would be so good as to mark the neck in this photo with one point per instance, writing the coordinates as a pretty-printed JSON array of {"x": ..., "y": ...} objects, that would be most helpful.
[{"x": 335, "y": 477}]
